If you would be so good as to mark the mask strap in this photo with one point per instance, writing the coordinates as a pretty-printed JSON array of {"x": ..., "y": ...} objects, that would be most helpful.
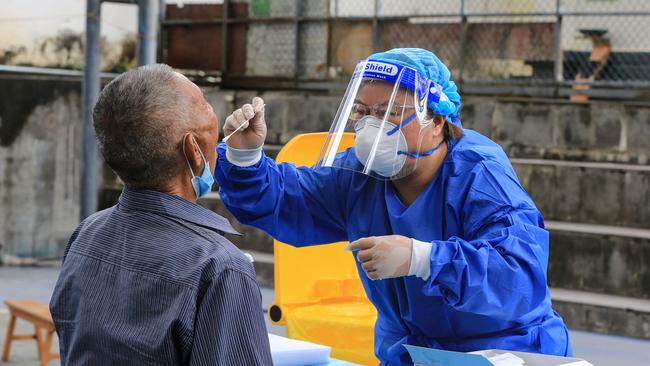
[
  {"x": 422, "y": 154},
  {"x": 401, "y": 124}
]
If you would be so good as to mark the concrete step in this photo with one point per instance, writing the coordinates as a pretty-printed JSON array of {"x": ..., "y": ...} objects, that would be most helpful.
[
  {"x": 605, "y": 260},
  {"x": 600, "y": 274},
  {"x": 601, "y": 259},
  {"x": 594, "y": 193},
  {"x": 598, "y": 258},
  {"x": 548, "y": 129},
  {"x": 581, "y": 310},
  {"x": 524, "y": 127},
  {"x": 587, "y": 257},
  {"x": 609, "y": 261},
  {"x": 602, "y": 313}
]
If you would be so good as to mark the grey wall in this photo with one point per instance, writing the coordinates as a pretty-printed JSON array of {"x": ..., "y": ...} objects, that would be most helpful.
[
  {"x": 546, "y": 129},
  {"x": 40, "y": 127}
]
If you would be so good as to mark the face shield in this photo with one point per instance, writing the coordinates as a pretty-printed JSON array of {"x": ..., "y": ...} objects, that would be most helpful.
[{"x": 388, "y": 108}]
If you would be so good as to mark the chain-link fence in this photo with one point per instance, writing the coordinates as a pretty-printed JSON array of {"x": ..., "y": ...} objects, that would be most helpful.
[{"x": 316, "y": 43}]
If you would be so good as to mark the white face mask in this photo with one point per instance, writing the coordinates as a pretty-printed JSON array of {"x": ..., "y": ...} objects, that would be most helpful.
[{"x": 387, "y": 162}]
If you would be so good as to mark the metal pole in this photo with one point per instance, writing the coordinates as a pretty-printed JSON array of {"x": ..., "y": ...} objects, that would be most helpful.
[
  {"x": 462, "y": 40},
  {"x": 557, "y": 49},
  {"x": 375, "y": 28},
  {"x": 297, "y": 11},
  {"x": 90, "y": 86},
  {"x": 162, "y": 8},
  {"x": 329, "y": 38},
  {"x": 224, "y": 39},
  {"x": 147, "y": 31}
]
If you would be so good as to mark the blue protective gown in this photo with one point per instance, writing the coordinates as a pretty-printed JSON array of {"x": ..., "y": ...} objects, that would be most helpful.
[{"x": 487, "y": 287}]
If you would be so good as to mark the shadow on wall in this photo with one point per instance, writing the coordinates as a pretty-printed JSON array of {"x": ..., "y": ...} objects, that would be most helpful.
[
  {"x": 65, "y": 50},
  {"x": 40, "y": 155}
]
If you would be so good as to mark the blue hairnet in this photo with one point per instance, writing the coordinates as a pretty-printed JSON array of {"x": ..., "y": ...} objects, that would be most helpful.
[{"x": 428, "y": 65}]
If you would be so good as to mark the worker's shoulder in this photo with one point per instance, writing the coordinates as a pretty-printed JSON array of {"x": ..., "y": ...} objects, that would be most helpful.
[
  {"x": 474, "y": 147},
  {"x": 474, "y": 151}
]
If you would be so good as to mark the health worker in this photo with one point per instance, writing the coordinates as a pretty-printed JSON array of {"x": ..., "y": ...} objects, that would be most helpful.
[{"x": 450, "y": 248}]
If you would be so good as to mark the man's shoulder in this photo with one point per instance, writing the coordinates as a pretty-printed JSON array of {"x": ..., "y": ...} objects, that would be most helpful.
[
  {"x": 202, "y": 254},
  {"x": 218, "y": 255},
  {"x": 98, "y": 216},
  {"x": 89, "y": 223},
  {"x": 163, "y": 246}
]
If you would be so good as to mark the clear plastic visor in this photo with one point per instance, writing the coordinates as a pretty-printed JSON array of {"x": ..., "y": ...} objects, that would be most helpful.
[{"x": 386, "y": 108}]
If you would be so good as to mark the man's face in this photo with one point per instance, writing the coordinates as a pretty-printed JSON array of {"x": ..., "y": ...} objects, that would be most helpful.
[{"x": 205, "y": 124}]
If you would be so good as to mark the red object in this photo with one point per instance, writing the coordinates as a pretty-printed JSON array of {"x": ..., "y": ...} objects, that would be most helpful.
[{"x": 199, "y": 46}]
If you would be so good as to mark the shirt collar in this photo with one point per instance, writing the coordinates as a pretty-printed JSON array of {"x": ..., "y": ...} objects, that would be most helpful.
[{"x": 174, "y": 206}]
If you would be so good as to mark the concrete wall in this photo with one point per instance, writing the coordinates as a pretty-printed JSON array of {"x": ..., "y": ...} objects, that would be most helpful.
[
  {"x": 545, "y": 129},
  {"x": 49, "y": 33},
  {"x": 40, "y": 130},
  {"x": 600, "y": 263},
  {"x": 605, "y": 195},
  {"x": 586, "y": 167},
  {"x": 41, "y": 126},
  {"x": 600, "y": 131}
]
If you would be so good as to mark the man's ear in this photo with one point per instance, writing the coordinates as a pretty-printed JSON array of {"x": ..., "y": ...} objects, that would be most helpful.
[{"x": 192, "y": 154}]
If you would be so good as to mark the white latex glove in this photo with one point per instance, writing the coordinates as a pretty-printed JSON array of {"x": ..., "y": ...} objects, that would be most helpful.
[
  {"x": 253, "y": 133},
  {"x": 383, "y": 257}
]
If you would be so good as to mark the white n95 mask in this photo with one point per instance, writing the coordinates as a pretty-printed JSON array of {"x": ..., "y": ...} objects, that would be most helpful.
[
  {"x": 382, "y": 98},
  {"x": 386, "y": 159}
]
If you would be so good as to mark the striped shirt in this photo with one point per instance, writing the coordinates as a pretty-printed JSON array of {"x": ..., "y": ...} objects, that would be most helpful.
[{"x": 152, "y": 281}]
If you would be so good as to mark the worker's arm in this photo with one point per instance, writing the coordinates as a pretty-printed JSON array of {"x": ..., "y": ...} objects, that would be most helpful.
[
  {"x": 499, "y": 268},
  {"x": 298, "y": 206}
]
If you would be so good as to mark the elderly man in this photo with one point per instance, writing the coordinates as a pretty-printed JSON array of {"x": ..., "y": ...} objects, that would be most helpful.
[{"x": 152, "y": 280}]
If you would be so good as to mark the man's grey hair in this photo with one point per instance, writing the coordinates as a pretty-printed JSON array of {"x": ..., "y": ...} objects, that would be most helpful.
[{"x": 138, "y": 119}]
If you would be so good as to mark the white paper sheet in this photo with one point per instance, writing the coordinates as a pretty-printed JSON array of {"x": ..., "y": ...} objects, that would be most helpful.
[{"x": 291, "y": 352}]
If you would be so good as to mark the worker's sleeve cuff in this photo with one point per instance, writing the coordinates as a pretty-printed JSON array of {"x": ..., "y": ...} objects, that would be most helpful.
[
  {"x": 243, "y": 157},
  {"x": 421, "y": 259}
]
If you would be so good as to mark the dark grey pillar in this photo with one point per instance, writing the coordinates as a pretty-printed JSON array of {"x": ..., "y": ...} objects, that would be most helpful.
[{"x": 90, "y": 86}]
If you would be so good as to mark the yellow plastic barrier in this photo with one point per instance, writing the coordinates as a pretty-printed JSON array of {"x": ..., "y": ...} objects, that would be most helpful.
[{"x": 318, "y": 293}]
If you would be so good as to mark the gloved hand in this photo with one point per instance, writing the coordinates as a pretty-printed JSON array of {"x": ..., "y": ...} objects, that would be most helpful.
[
  {"x": 253, "y": 133},
  {"x": 384, "y": 256}
]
